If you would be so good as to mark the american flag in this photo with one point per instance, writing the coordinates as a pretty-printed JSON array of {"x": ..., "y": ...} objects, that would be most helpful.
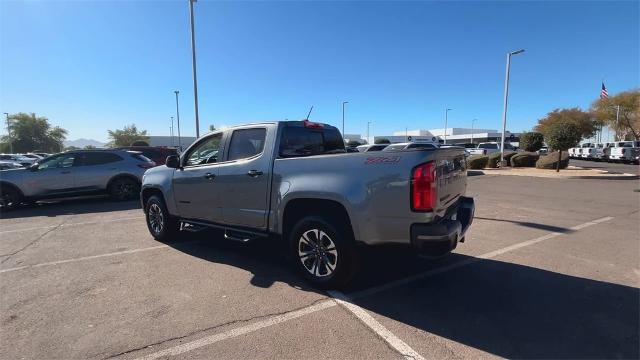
[{"x": 603, "y": 93}]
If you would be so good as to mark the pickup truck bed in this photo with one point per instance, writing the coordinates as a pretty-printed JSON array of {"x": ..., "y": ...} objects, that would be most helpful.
[{"x": 294, "y": 179}]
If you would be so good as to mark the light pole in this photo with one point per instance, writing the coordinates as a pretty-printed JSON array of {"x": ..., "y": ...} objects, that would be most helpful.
[
  {"x": 506, "y": 97},
  {"x": 368, "y": 140},
  {"x": 193, "y": 65},
  {"x": 171, "y": 132},
  {"x": 446, "y": 119},
  {"x": 9, "y": 133},
  {"x": 343, "y": 104},
  {"x": 178, "y": 119},
  {"x": 472, "y": 121}
]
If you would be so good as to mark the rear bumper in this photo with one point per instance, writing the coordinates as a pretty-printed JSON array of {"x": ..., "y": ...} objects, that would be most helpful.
[{"x": 442, "y": 237}]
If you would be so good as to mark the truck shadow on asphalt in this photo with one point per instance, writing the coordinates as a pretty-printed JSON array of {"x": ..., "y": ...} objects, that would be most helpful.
[
  {"x": 532, "y": 225},
  {"x": 71, "y": 206},
  {"x": 505, "y": 309}
]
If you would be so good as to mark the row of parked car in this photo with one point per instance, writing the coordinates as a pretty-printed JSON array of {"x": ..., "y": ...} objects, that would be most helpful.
[
  {"x": 117, "y": 172},
  {"x": 617, "y": 151}
]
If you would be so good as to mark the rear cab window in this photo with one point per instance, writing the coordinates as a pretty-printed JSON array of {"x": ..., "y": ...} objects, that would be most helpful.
[{"x": 298, "y": 141}]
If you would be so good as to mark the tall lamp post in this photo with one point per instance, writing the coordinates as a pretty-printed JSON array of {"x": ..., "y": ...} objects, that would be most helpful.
[
  {"x": 506, "y": 97},
  {"x": 193, "y": 65},
  {"x": 343, "y": 104},
  {"x": 178, "y": 119},
  {"x": 9, "y": 133},
  {"x": 171, "y": 132},
  {"x": 472, "y": 121},
  {"x": 368, "y": 124},
  {"x": 446, "y": 120}
]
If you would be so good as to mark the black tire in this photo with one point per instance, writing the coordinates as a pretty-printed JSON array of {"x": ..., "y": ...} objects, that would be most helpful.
[
  {"x": 124, "y": 188},
  {"x": 160, "y": 223},
  {"x": 9, "y": 198},
  {"x": 337, "y": 250}
]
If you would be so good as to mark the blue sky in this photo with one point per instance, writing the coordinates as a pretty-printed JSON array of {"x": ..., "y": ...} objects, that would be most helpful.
[{"x": 96, "y": 65}]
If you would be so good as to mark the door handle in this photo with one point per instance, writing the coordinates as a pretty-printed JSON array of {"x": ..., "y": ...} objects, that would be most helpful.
[
  {"x": 254, "y": 173},
  {"x": 209, "y": 176}
]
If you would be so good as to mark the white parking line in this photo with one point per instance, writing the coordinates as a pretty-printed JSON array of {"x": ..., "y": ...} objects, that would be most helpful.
[
  {"x": 71, "y": 224},
  {"x": 192, "y": 345},
  {"x": 395, "y": 342}
]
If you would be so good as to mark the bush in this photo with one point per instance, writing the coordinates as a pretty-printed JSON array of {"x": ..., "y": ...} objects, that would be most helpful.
[
  {"x": 531, "y": 141},
  {"x": 494, "y": 159},
  {"x": 139, "y": 143},
  {"x": 477, "y": 161},
  {"x": 524, "y": 159},
  {"x": 551, "y": 161}
]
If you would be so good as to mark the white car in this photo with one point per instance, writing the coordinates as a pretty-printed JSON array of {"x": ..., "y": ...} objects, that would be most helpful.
[
  {"x": 21, "y": 159},
  {"x": 487, "y": 148},
  {"x": 625, "y": 151},
  {"x": 6, "y": 165}
]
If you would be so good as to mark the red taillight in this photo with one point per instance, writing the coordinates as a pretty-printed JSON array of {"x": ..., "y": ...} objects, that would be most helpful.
[
  {"x": 312, "y": 125},
  {"x": 424, "y": 187},
  {"x": 147, "y": 165}
]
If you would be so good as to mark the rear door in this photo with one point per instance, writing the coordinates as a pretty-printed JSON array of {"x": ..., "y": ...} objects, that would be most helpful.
[
  {"x": 244, "y": 177},
  {"x": 196, "y": 185},
  {"x": 93, "y": 170}
]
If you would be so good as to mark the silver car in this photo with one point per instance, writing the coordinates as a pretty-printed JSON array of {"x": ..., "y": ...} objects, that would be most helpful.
[{"x": 115, "y": 172}]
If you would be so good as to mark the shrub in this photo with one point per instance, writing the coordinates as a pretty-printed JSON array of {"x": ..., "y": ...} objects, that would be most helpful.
[
  {"x": 494, "y": 159},
  {"x": 139, "y": 143},
  {"x": 477, "y": 161},
  {"x": 524, "y": 159},
  {"x": 551, "y": 161},
  {"x": 531, "y": 141}
]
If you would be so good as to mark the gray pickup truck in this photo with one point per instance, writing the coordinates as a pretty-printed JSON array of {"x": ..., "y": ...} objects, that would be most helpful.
[{"x": 293, "y": 180}]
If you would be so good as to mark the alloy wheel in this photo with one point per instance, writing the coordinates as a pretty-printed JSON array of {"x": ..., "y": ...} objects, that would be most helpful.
[
  {"x": 156, "y": 218},
  {"x": 317, "y": 253}
]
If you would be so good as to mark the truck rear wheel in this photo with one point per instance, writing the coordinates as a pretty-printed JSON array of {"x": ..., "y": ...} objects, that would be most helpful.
[
  {"x": 161, "y": 224},
  {"x": 323, "y": 251}
]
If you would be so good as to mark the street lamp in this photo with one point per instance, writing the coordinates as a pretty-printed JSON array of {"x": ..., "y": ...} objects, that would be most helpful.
[
  {"x": 178, "y": 119},
  {"x": 472, "y": 121},
  {"x": 171, "y": 132},
  {"x": 343, "y": 104},
  {"x": 193, "y": 65},
  {"x": 368, "y": 124},
  {"x": 506, "y": 97},
  {"x": 446, "y": 119},
  {"x": 9, "y": 133}
]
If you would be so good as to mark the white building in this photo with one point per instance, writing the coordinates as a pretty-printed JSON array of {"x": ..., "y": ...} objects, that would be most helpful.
[{"x": 454, "y": 135}]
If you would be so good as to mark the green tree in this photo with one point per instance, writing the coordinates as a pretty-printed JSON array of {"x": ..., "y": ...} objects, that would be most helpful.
[
  {"x": 139, "y": 143},
  {"x": 30, "y": 132},
  {"x": 628, "y": 125},
  {"x": 584, "y": 121},
  {"x": 561, "y": 136},
  {"x": 531, "y": 141},
  {"x": 382, "y": 141},
  {"x": 127, "y": 136}
]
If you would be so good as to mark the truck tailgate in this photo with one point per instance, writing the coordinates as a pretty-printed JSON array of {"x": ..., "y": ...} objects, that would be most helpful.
[{"x": 451, "y": 175}]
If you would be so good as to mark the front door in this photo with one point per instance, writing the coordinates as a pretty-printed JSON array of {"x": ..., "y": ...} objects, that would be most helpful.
[
  {"x": 54, "y": 175},
  {"x": 196, "y": 186},
  {"x": 245, "y": 177}
]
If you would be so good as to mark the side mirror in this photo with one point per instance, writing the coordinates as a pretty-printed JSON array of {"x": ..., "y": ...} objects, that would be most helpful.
[{"x": 173, "y": 161}]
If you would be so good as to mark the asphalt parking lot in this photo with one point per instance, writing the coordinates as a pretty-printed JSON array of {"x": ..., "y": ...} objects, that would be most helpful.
[{"x": 550, "y": 269}]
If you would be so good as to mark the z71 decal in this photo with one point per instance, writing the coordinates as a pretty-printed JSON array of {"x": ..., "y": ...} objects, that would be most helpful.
[{"x": 382, "y": 160}]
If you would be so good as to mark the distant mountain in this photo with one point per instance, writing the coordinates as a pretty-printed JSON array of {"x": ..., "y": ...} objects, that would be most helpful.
[{"x": 81, "y": 143}]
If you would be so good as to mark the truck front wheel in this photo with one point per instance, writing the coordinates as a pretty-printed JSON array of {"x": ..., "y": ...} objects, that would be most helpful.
[
  {"x": 323, "y": 251},
  {"x": 161, "y": 224}
]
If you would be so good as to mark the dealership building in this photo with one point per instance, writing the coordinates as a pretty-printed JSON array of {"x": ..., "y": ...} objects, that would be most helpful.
[{"x": 453, "y": 135}]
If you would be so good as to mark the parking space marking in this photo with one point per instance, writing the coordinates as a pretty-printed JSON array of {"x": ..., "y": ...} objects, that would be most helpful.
[
  {"x": 71, "y": 224},
  {"x": 192, "y": 345},
  {"x": 395, "y": 342},
  {"x": 459, "y": 264},
  {"x": 133, "y": 251}
]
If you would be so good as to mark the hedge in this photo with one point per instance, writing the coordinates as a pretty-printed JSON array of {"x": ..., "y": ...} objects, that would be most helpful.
[
  {"x": 551, "y": 161},
  {"x": 494, "y": 158},
  {"x": 477, "y": 161},
  {"x": 524, "y": 159}
]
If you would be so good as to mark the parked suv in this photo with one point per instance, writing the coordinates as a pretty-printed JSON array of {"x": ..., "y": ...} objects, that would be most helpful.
[
  {"x": 116, "y": 172},
  {"x": 157, "y": 154}
]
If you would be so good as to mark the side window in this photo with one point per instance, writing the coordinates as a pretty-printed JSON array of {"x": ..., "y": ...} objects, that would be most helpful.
[
  {"x": 206, "y": 152},
  {"x": 97, "y": 158},
  {"x": 297, "y": 141},
  {"x": 246, "y": 143},
  {"x": 61, "y": 161}
]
